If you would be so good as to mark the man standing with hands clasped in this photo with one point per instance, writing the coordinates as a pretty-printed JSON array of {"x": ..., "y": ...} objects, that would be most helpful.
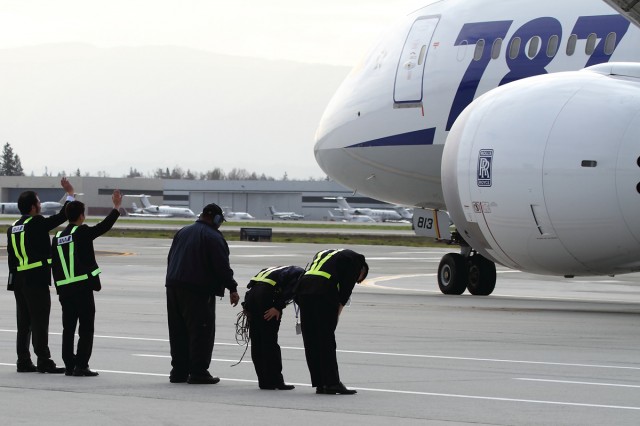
[
  {"x": 198, "y": 270},
  {"x": 29, "y": 257},
  {"x": 76, "y": 275}
]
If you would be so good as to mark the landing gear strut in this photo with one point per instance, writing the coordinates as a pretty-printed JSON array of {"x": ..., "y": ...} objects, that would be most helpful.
[{"x": 466, "y": 270}]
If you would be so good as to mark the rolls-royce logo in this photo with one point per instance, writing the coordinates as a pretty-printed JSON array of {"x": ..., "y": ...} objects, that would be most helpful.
[{"x": 485, "y": 159}]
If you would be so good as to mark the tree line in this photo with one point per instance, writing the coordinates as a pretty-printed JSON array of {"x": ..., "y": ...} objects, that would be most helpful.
[{"x": 10, "y": 165}]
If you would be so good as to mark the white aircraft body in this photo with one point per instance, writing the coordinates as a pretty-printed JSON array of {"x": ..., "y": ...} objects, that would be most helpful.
[
  {"x": 284, "y": 215},
  {"x": 378, "y": 215},
  {"x": 405, "y": 213},
  {"x": 541, "y": 174},
  {"x": 151, "y": 210},
  {"x": 48, "y": 208},
  {"x": 228, "y": 214},
  {"x": 344, "y": 216}
]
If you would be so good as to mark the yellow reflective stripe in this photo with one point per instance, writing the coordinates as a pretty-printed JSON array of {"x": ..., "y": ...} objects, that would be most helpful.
[
  {"x": 29, "y": 266},
  {"x": 262, "y": 276},
  {"x": 72, "y": 280},
  {"x": 15, "y": 249},
  {"x": 69, "y": 270},
  {"x": 63, "y": 263},
  {"x": 21, "y": 254},
  {"x": 319, "y": 261}
]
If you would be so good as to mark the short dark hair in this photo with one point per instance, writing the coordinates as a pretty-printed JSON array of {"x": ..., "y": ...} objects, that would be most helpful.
[
  {"x": 364, "y": 268},
  {"x": 73, "y": 210},
  {"x": 26, "y": 200}
]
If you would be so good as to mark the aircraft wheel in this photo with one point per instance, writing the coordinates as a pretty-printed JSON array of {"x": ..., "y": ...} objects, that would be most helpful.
[
  {"x": 452, "y": 274},
  {"x": 482, "y": 276}
]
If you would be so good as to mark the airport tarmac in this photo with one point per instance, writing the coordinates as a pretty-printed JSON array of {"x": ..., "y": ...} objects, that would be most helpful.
[{"x": 539, "y": 351}]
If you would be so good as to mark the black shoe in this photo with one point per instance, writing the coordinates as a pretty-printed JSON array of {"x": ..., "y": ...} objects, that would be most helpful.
[
  {"x": 49, "y": 367},
  {"x": 281, "y": 386},
  {"x": 178, "y": 379},
  {"x": 25, "y": 367},
  {"x": 201, "y": 379},
  {"x": 68, "y": 371},
  {"x": 338, "y": 389},
  {"x": 320, "y": 390},
  {"x": 84, "y": 372}
]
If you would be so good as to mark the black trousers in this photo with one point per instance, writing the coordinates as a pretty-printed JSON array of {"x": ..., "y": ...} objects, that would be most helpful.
[
  {"x": 319, "y": 316},
  {"x": 265, "y": 351},
  {"x": 78, "y": 307},
  {"x": 192, "y": 330},
  {"x": 33, "y": 305}
]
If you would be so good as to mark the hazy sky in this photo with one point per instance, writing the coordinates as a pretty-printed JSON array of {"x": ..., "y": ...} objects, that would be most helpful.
[{"x": 324, "y": 31}]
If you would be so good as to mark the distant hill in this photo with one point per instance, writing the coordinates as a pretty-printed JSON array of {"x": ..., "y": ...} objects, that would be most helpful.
[{"x": 70, "y": 106}]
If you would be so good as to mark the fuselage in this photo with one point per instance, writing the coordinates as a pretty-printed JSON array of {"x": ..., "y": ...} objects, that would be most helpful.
[{"x": 384, "y": 131}]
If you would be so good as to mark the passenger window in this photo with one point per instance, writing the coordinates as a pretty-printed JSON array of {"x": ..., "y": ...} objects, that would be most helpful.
[
  {"x": 591, "y": 44},
  {"x": 552, "y": 46},
  {"x": 477, "y": 54},
  {"x": 610, "y": 44},
  {"x": 534, "y": 47},
  {"x": 571, "y": 44},
  {"x": 515, "y": 48},
  {"x": 496, "y": 48}
]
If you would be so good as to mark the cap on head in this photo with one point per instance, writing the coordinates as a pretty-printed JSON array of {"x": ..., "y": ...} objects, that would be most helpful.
[{"x": 214, "y": 212}]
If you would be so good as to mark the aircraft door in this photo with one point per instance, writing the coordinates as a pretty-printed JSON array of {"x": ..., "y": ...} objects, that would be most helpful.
[{"x": 407, "y": 90}]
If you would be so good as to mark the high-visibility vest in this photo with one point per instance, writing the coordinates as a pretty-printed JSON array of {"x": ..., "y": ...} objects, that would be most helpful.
[
  {"x": 263, "y": 276},
  {"x": 19, "y": 249},
  {"x": 68, "y": 268},
  {"x": 319, "y": 261}
]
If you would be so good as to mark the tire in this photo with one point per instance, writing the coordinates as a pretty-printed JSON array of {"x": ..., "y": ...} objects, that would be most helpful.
[
  {"x": 482, "y": 276},
  {"x": 452, "y": 274}
]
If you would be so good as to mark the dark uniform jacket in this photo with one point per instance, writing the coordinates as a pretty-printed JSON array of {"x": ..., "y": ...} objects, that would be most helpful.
[
  {"x": 37, "y": 245},
  {"x": 199, "y": 259},
  {"x": 84, "y": 255},
  {"x": 272, "y": 287},
  {"x": 339, "y": 274}
]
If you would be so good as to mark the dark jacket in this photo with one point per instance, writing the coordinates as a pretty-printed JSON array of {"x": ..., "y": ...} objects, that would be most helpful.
[
  {"x": 37, "y": 245},
  {"x": 84, "y": 254},
  {"x": 272, "y": 287},
  {"x": 340, "y": 272},
  {"x": 199, "y": 259}
]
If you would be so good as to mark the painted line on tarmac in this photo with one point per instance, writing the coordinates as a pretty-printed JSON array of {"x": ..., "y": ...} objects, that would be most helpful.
[
  {"x": 572, "y": 382},
  {"x": 428, "y": 259},
  {"x": 456, "y": 358},
  {"x": 403, "y": 392},
  {"x": 493, "y": 398},
  {"x": 264, "y": 255},
  {"x": 169, "y": 356}
]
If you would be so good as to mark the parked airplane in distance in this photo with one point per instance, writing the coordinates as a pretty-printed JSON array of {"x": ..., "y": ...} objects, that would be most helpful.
[
  {"x": 523, "y": 165},
  {"x": 48, "y": 208},
  {"x": 345, "y": 216},
  {"x": 378, "y": 215},
  {"x": 405, "y": 213},
  {"x": 284, "y": 215},
  {"x": 151, "y": 210},
  {"x": 228, "y": 214}
]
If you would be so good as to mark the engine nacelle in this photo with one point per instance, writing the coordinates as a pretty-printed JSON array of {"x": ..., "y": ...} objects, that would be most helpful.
[{"x": 543, "y": 174}]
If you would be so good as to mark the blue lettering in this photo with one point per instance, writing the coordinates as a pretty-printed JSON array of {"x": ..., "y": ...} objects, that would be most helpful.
[
  {"x": 601, "y": 26},
  {"x": 522, "y": 66},
  {"x": 470, "y": 34}
]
